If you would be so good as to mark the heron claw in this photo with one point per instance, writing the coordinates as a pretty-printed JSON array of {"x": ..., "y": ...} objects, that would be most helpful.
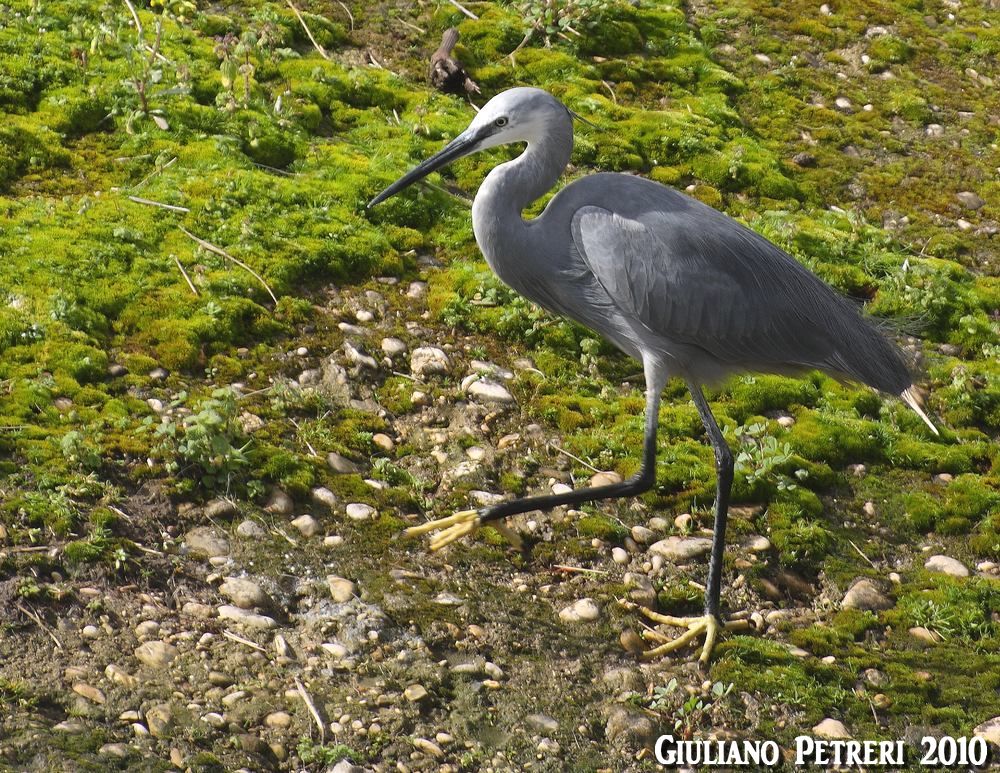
[
  {"x": 449, "y": 528},
  {"x": 705, "y": 625}
]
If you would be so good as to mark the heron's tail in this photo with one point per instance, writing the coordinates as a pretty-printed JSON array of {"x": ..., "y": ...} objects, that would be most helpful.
[{"x": 912, "y": 399}]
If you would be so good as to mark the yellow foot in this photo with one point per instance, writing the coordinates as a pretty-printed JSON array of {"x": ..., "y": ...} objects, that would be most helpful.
[
  {"x": 707, "y": 625},
  {"x": 451, "y": 528}
]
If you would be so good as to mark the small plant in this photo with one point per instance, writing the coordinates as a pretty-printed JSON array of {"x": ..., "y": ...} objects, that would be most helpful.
[
  {"x": 209, "y": 439},
  {"x": 694, "y": 711},
  {"x": 551, "y": 19},
  {"x": 310, "y": 752},
  {"x": 759, "y": 455}
]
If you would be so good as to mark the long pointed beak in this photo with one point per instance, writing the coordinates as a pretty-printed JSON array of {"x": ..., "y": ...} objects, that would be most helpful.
[{"x": 465, "y": 143}]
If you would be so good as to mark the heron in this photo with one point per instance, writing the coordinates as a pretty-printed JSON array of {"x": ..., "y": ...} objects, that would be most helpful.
[{"x": 681, "y": 287}]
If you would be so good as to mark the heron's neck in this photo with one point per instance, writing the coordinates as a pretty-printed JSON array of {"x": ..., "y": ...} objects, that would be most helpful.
[{"x": 511, "y": 187}]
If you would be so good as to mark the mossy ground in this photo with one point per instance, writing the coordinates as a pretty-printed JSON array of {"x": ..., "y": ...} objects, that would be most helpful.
[{"x": 274, "y": 163}]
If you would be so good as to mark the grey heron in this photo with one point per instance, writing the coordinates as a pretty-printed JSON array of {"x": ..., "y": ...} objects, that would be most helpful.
[{"x": 676, "y": 284}]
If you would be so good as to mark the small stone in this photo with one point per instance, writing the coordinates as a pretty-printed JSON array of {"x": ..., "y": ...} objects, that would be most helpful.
[
  {"x": 245, "y": 593},
  {"x": 832, "y": 729},
  {"x": 857, "y": 470},
  {"x": 220, "y": 509},
  {"x": 334, "y": 649},
  {"x": 219, "y": 679},
  {"x": 341, "y": 464},
  {"x": 393, "y": 347},
  {"x": 683, "y": 522},
  {"x": 250, "y": 529},
  {"x": 605, "y": 479},
  {"x": 628, "y": 725},
  {"x": 90, "y": 632},
  {"x": 584, "y": 610},
  {"x": 946, "y": 565},
  {"x": 302, "y": 352},
  {"x": 147, "y": 629},
  {"x": 279, "y": 503},
  {"x": 89, "y": 692},
  {"x": 631, "y": 642},
  {"x": 156, "y": 654},
  {"x": 238, "y": 615},
  {"x": 383, "y": 441},
  {"x": 970, "y": 200},
  {"x": 158, "y": 374},
  {"x": 619, "y": 555},
  {"x": 333, "y": 541},
  {"x": 429, "y": 360},
  {"x": 207, "y": 541},
  {"x": 118, "y": 675},
  {"x": 924, "y": 634},
  {"x": 119, "y": 750},
  {"x": 864, "y": 595},
  {"x": 762, "y": 58},
  {"x": 214, "y": 719},
  {"x": 825, "y": 10},
  {"x": 341, "y": 589},
  {"x": 357, "y": 511},
  {"x": 757, "y": 543},
  {"x": 428, "y": 747},
  {"x": 160, "y": 720},
  {"x": 680, "y": 549},
  {"x": 279, "y": 720},
  {"x": 416, "y": 290},
  {"x": 934, "y": 130},
  {"x": 415, "y": 693},
  {"x": 843, "y": 103},
  {"x": 874, "y": 677},
  {"x": 489, "y": 392},
  {"x": 307, "y": 526},
  {"x": 990, "y": 730},
  {"x": 963, "y": 225},
  {"x": 869, "y": 509},
  {"x": 323, "y": 496},
  {"x": 542, "y": 723},
  {"x": 117, "y": 371},
  {"x": 70, "y": 727},
  {"x": 642, "y": 535}
]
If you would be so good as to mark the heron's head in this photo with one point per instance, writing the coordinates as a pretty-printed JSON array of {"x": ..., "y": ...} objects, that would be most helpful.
[{"x": 517, "y": 115}]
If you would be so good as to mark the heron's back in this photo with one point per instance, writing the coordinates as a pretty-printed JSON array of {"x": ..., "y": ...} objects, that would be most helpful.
[{"x": 714, "y": 295}]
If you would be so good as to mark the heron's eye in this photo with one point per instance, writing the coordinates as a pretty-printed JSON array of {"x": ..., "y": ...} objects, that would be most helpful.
[{"x": 501, "y": 121}]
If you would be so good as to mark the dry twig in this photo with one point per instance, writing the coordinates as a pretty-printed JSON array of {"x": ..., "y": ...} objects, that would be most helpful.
[
  {"x": 312, "y": 709},
  {"x": 219, "y": 251},
  {"x": 317, "y": 46}
]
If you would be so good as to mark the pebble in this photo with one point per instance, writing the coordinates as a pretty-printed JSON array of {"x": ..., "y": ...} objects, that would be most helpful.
[
  {"x": 843, "y": 103},
  {"x": 429, "y": 360},
  {"x": 147, "y": 629},
  {"x": 341, "y": 464},
  {"x": 118, "y": 675},
  {"x": 221, "y": 508},
  {"x": 560, "y": 488},
  {"x": 333, "y": 541},
  {"x": 236, "y": 696},
  {"x": 874, "y": 677},
  {"x": 681, "y": 548},
  {"x": 323, "y": 496},
  {"x": 548, "y": 746},
  {"x": 90, "y": 632},
  {"x": 158, "y": 374},
  {"x": 584, "y": 610},
  {"x": 924, "y": 634},
  {"x": 160, "y": 720},
  {"x": 245, "y": 593},
  {"x": 607, "y": 478},
  {"x": 757, "y": 543},
  {"x": 990, "y": 730},
  {"x": 383, "y": 441},
  {"x": 393, "y": 347},
  {"x": 934, "y": 130},
  {"x": 946, "y": 565},
  {"x": 357, "y": 511},
  {"x": 542, "y": 723},
  {"x": 619, "y": 555},
  {"x": 196, "y": 609},
  {"x": 489, "y": 392},
  {"x": 307, "y": 526},
  {"x": 279, "y": 503},
  {"x": 416, "y": 290},
  {"x": 207, "y": 541},
  {"x": 156, "y": 654},
  {"x": 278, "y": 719},
  {"x": 642, "y": 535},
  {"x": 428, "y": 747},
  {"x": 70, "y": 726},
  {"x": 238, "y": 615},
  {"x": 864, "y": 595},
  {"x": 341, "y": 590},
  {"x": 970, "y": 200},
  {"x": 869, "y": 509},
  {"x": 415, "y": 693},
  {"x": 762, "y": 58},
  {"x": 119, "y": 750},
  {"x": 832, "y": 729},
  {"x": 89, "y": 692},
  {"x": 250, "y": 529},
  {"x": 626, "y": 724},
  {"x": 683, "y": 522}
]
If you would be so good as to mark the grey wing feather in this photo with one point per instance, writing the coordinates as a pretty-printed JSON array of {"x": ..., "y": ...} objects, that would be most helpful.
[{"x": 706, "y": 281}]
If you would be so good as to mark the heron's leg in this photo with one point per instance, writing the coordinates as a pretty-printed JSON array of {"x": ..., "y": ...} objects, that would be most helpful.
[
  {"x": 459, "y": 524},
  {"x": 709, "y": 624}
]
